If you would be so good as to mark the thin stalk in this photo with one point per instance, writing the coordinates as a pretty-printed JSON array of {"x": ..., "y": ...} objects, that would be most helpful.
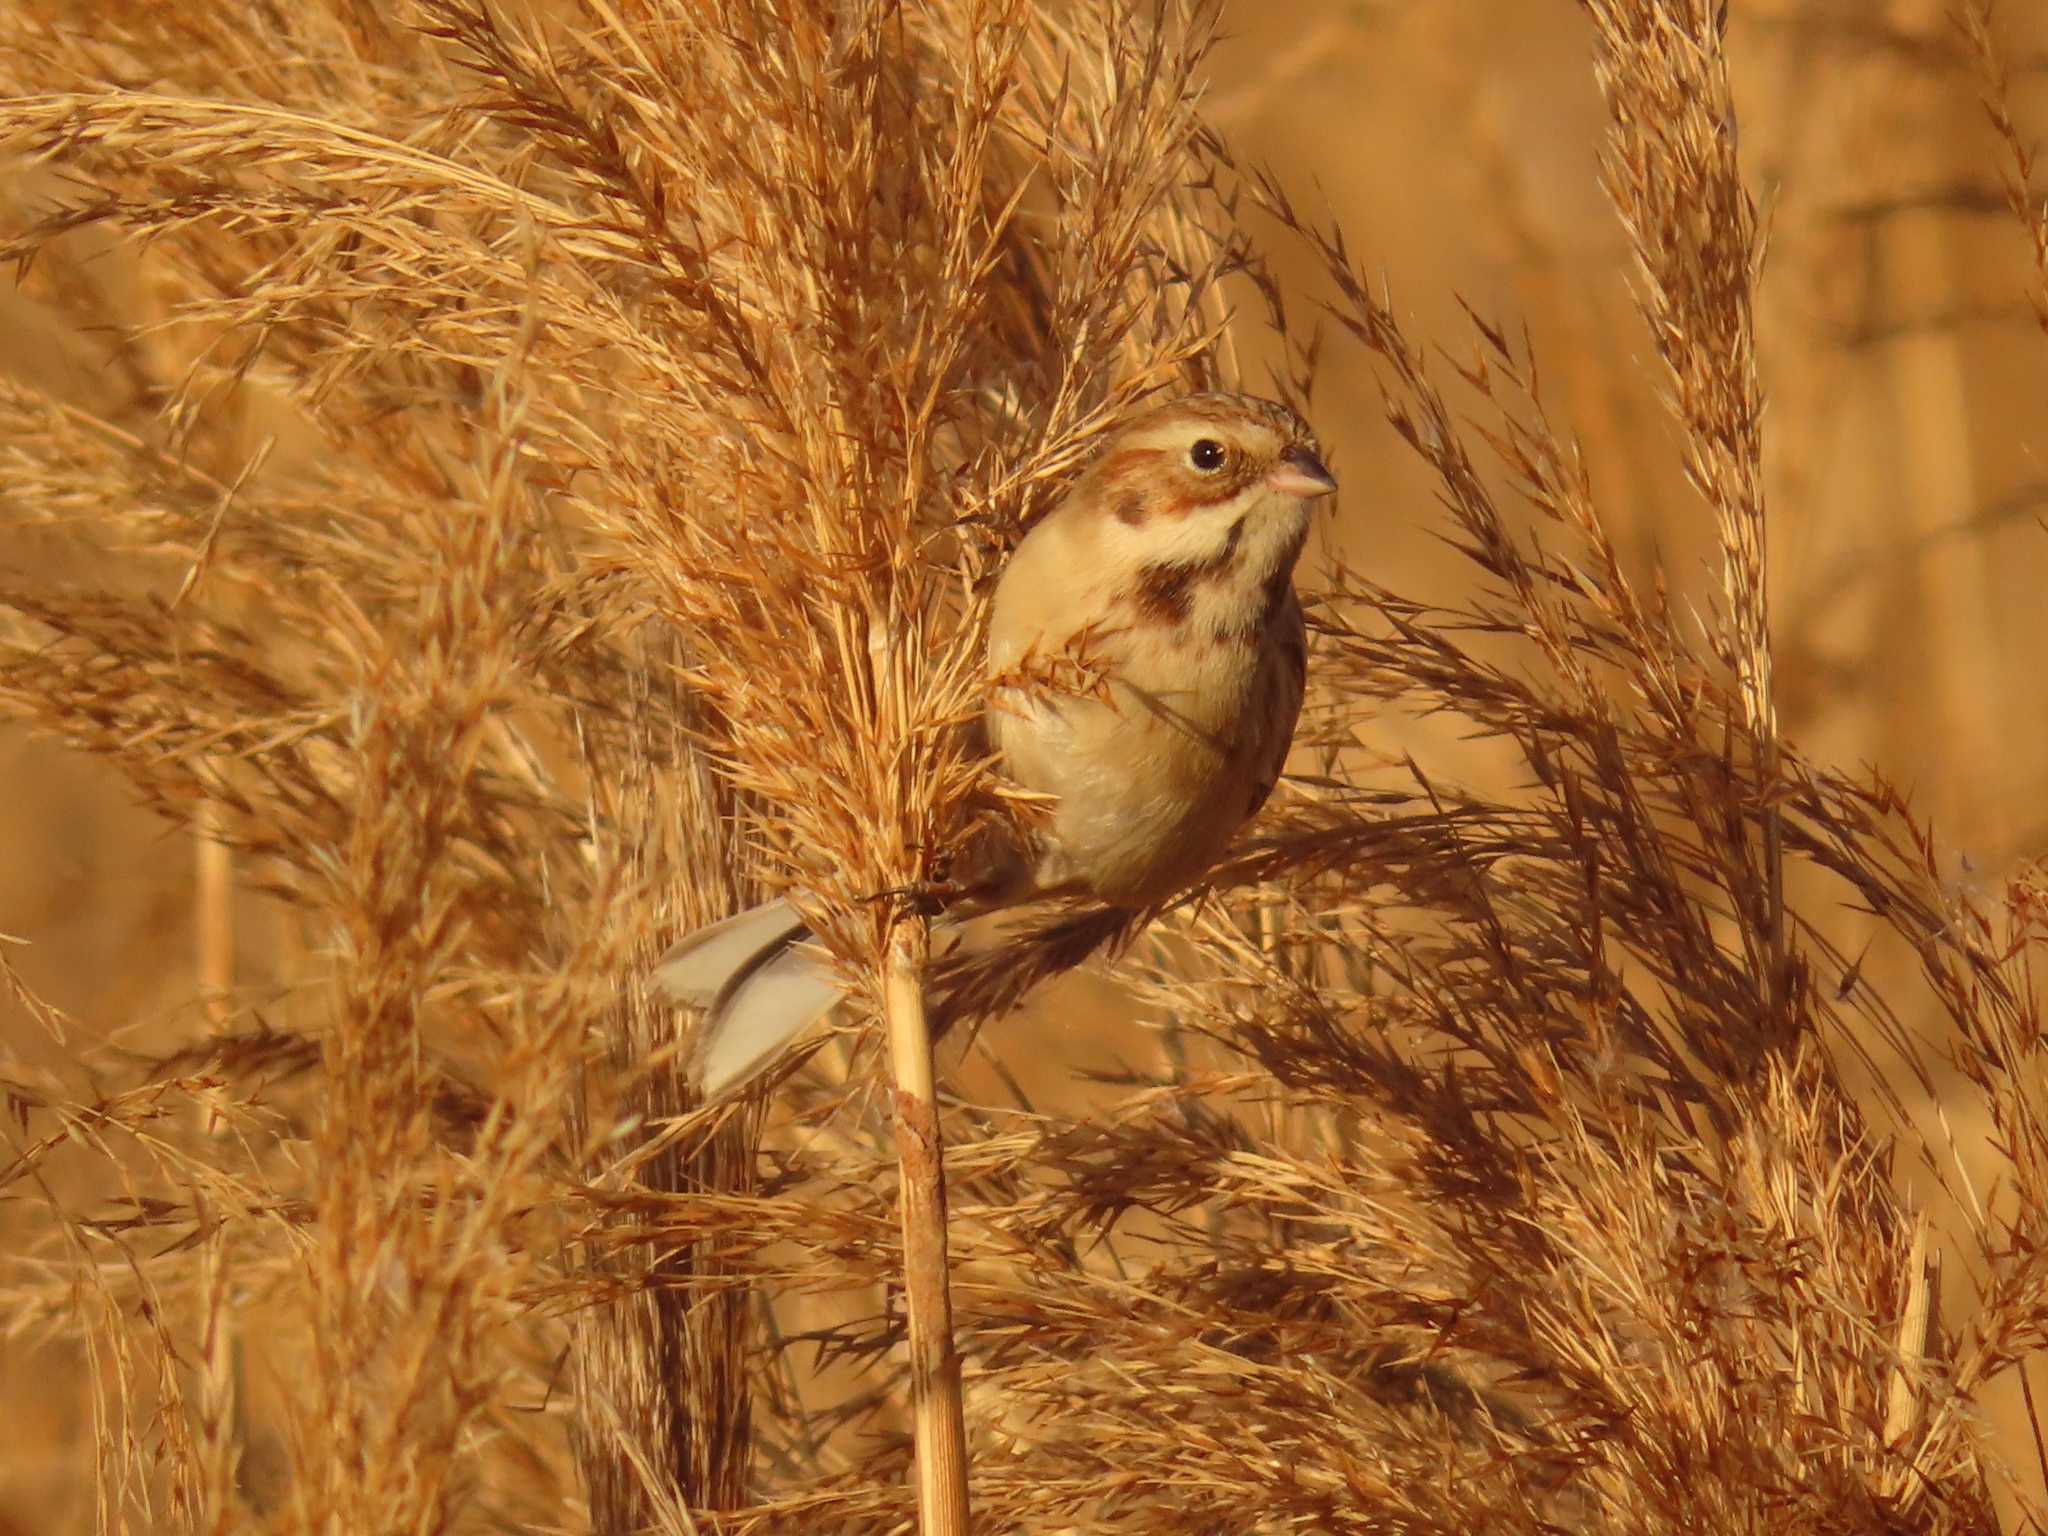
[
  {"x": 214, "y": 916},
  {"x": 927, "y": 1283},
  {"x": 223, "y": 1408}
]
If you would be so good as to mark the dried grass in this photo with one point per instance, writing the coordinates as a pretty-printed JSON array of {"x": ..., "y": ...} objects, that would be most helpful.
[{"x": 545, "y": 496}]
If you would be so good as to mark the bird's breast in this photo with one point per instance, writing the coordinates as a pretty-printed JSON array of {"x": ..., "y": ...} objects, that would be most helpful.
[
  {"x": 1152, "y": 695},
  {"x": 1153, "y": 771}
]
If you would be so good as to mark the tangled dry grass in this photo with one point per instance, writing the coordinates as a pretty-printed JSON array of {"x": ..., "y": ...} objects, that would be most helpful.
[{"x": 544, "y": 495}]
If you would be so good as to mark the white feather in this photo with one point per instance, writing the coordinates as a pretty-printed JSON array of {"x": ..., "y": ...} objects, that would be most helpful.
[
  {"x": 705, "y": 962},
  {"x": 759, "y": 984},
  {"x": 763, "y": 1010}
]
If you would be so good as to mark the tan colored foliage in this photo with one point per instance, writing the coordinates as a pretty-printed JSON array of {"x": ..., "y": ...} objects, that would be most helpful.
[{"x": 542, "y": 493}]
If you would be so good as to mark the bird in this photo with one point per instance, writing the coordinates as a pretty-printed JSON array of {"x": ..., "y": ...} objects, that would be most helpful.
[{"x": 1166, "y": 574}]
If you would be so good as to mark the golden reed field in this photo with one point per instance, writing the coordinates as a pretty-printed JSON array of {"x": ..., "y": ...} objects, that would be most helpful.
[{"x": 486, "y": 488}]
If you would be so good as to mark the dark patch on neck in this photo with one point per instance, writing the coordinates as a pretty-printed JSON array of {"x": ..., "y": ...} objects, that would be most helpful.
[
  {"x": 1165, "y": 594},
  {"x": 1274, "y": 593},
  {"x": 1280, "y": 585},
  {"x": 1131, "y": 508}
]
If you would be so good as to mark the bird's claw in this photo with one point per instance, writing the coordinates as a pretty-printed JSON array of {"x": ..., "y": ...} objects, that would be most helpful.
[{"x": 925, "y": 898}]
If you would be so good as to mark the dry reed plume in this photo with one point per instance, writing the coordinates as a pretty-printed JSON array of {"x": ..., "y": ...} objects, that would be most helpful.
[{"x": 544, "y": 495}]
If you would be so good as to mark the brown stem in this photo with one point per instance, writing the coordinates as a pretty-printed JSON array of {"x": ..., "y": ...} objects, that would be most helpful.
[
  {"x": 214, "y": 916},
  {"x": 223, "y": 1407},
  {"x": 934, "y": 1365}
]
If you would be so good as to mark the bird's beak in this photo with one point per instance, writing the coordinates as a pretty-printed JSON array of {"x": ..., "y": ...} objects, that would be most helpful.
[{"x": 1300, "y": 473}]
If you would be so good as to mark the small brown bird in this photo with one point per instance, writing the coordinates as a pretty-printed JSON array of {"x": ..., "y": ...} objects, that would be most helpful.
[{"x": 1168, "y": 571}]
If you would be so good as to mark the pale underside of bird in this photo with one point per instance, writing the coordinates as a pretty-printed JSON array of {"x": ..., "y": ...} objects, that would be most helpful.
[{"x": 1167, "y": 570}]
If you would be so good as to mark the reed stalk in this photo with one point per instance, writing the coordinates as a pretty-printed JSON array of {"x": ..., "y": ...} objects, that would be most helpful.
[{"x": 927, "y": 1270}]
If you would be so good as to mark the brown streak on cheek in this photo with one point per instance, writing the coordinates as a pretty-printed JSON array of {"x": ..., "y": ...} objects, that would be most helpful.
[
  {"x": 1125, "y": 466},
  {"x": 1199, "y": 493},
  {"x": 1125, "y": 485}
]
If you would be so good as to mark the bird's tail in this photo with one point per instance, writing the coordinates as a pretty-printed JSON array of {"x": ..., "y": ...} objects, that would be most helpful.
[{"x": 760, "y": 984}]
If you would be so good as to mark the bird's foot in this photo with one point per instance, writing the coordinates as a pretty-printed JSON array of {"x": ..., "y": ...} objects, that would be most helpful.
[{"x": 923, "y": 898}]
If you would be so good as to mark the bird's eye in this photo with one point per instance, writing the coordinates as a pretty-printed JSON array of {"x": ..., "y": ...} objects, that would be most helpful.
[{"x": 1206, "y": 455}]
